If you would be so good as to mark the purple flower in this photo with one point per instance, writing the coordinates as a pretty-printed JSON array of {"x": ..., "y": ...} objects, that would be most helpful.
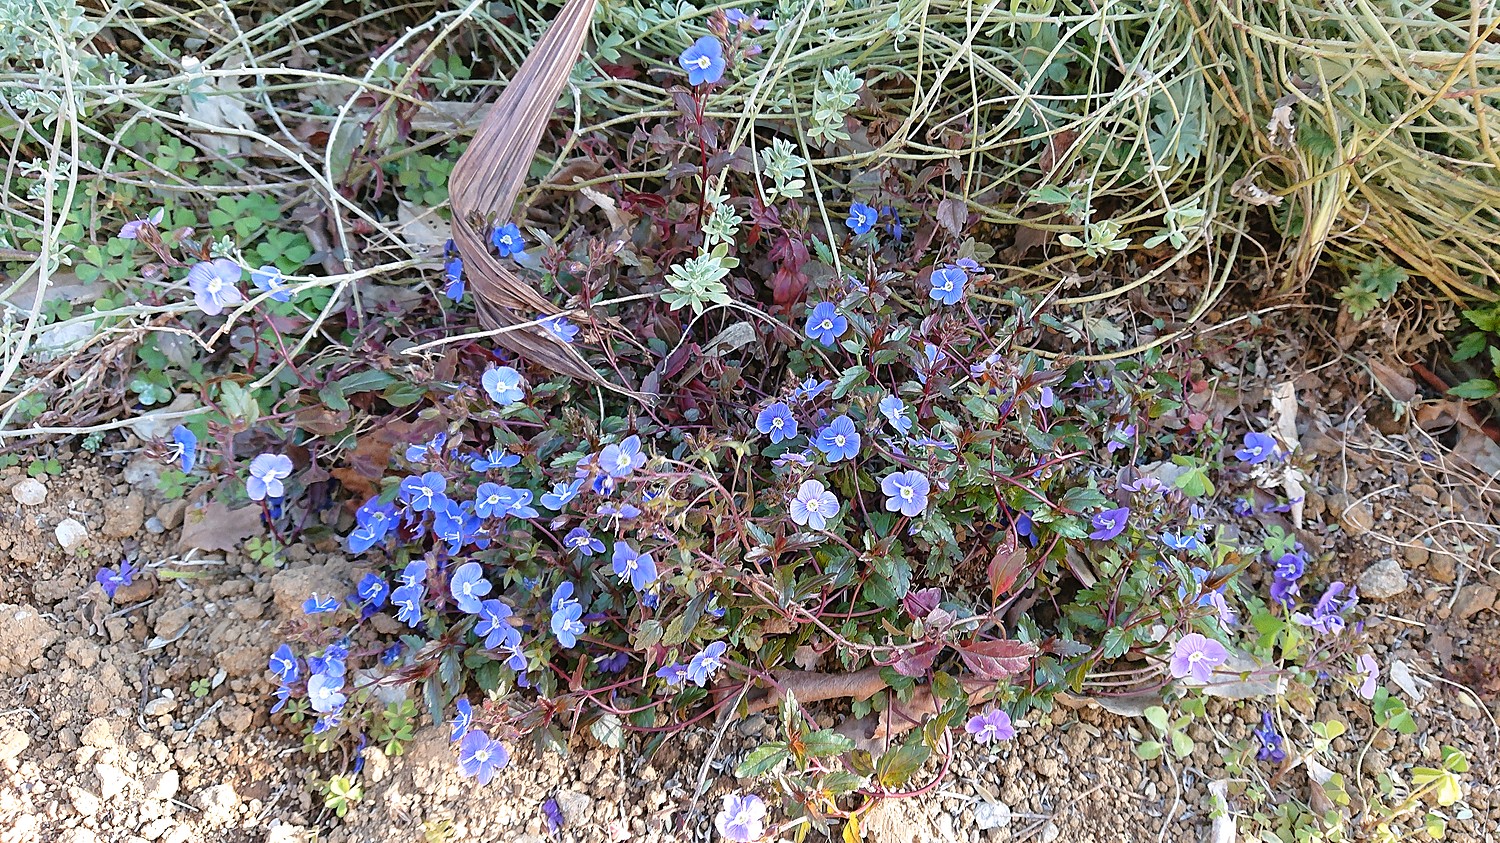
[
  {"x": 424, "y": 492},
  {"x": 673, "y": 674},
  {"x": 131, "y": 230},
  {"x": 561, "y": 328},
  {"x": 553, "y": 814},
  {"x": 503, "y": 385},
  {"x": 636, "y": 567},
  {"x": 213, "y": 285},
  {"x": 702, "y": 667},
  {"x": 1258, "y": 448},
  {"x": 737, "y": 18},
  {"x": 481, "y": 758},
  {"x": 566, "y": 612},
  {"x": 463, "y": 718},
  {"x": 1369, "y": 669},
  {"x": 703, "y": 61},
  {"x": 112, "y": 581},
  {"x": 613, "y": 663},
  {"x": 1196, "y": 655},
  {"x": 494, "y": 625},
  {"x": 1270, "y": 741},
  {"x": 468, "y": 586},
  {"x": 1120, "y": 437},
  {"x": 1327, "y": 617},
  {"x": 947, "y": 284},
  {"x": 316, "y": 606},
  {"x": 862, "y": 218},
  {"x": 185, "y": 446},
  {"x": 906, "y": 492},
  {"x": 268, "y": 279},
  {"x": 507, "y": 240},
  {"x": 266, "y": 473},
  {"x": 813, "y": 506},
  {"x": 1110, "y": 523},
  {"x": 283, "y": 665},
  {"x": 1291, "y": 566},
  {"x": 825, "y": 324},
  {"x": 582, "y": 541},
  {"x": 777, "y": 421},
  {"x": 618, "y": 461},
  {"x": 325, "y": 692},
  {"x": 741, "y": 818},
  {"x": 993, "y": 725},
  {"x": 839, "y": 440}
]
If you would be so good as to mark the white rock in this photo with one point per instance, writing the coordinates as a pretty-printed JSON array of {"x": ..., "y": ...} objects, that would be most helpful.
[
  {"x": 1383, "y": 580},
  {"x": 988, "y": 815},
  {"x": 29, "y": 492},
  {"x": 70, "y": 533}
]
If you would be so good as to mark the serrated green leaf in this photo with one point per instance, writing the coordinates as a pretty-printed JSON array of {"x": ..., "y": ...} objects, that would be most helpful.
[
  {"x": 826, "y": 743},
  {"x": 1475, "y": 389},
  {"x": 897, "y": 766},
  {"x": 609, "y": 731},
  {"x": 763, "y": 759}
]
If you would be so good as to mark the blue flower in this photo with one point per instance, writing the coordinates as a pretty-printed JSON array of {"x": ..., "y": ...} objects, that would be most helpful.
[
  {"x": 266, "y": 473},
  {"x": 507, "y": 240},
  {"x": 638, "y": 568},
  {"x": 468, "y": 586},
  {"x": 1291, "y": 566},
  {"x": 947, "y": 284},
  {"x": 494, "y": 625},
  {"x": 1270, "y": 740},
  {"x": 492, "y": 500},
  {"x": 624, "y": 511},
  {"x": 862, "y": 218},
  {"x": 481, "y": 758},
  {"x": 703, "y": 61},
  {"x": 112, "y": 581},
  {"x": 895, "y": 412},
  {"x": 463, "y": 718},
  {"x": 1110, "y": 523},
  {"x": 813, "y": 506},
  {"x": 315, "y": 606},
  {"x": 561, "y": 494},
  {"x": 702, "y": 667},
  {"x": 777, "y": 420},
  {"x": 283, "y": 665},
  {"x": 560, "y": 327},
  {"x": 496, "y": 457},
  {"x": 1185, "y": 542},
  {"x": 737, "y": 18},
  {"x": 213, "y": 285},
  {"x": 620, "y": 460},
  {"x": 906, "y": 492},
  {"x": 420, "y": 453},
  {"x": 1258, "y": 448},
  {"x": 825, "y": 324},
  {"x": 374, "y": 520},
  {"x": 741, "y": 819},
  {"x": 269, "y": 279},
  {"x": 809, "y": 389},
  {"x": 1120, "y": 437},
  {"x": 453, "y": 278},
  {"x": 424, "y": 492},
  {"x": 503, "y": 385},
  {"x": 839, "y": 440},
  {"x": 185, "y": 445},
  {"x": 325, "y": 692},
  {"x": 408, "y": 602},
  {"x": 372, "y": 590},
  {"x": 672, "y": 674},
  {"x": 582, "y": 541},
  {"x": 566, "y": 612},
  {"x": 415, "y": 573}
]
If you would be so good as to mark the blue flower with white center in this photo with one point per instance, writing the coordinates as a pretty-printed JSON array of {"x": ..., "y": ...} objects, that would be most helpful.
[
  {"x": 624, "y": 511},
  {"x": 495, "y": 457},
  {"x": 494, "y": 626},
  {"x": 492, "y": 500},
  {"x": 947, "y": 284},
  {"x": 703, "y": 61},
  {"x": 266, "y": 473},
  {"x": 214, "y": 285},
  {"x": 1184, "y": 542},
  {"x": 825, "y": 324},
  {"x": 862, "y": 218},
  {"x": 777, "y": 421},
  {"x": 480, "y": 757},
  {"x": 561, "y": 328},
  {"x": 809, "y": 389},
  {"x": 839, "y": 440},
  {"x": 432, "y": 447},
  {"x": 507, "y": 240},
  {"x": 325, "y": 693},
  {"x": 316, "y": 605},
  {"x": 372, "y": 590},
  {"x": 468, "y": 586},
  {"x": 1110, "y": 523},
  {"x": 453, "y": 278},
  {"x": 702, "y": 667},
  {"x": 561, "y": 494},
  {"x": 185, "y": 447},
  {"x": 415, "y": 573},
  {"x": 283, "y": 665},
  {"x": 374, "y": 521},
  {"x": 895, "y": 412},
  {"x": 463, "y": 718},
  {"x": 620, "y": 460},
  {"x": 269, "y": 279},
  {"x": 580, "y": 540},
  {"x": 424, "y": 492},
  {"x": 906, "y": 492},
  {"x": 638, "y": 568},
  {"x": 408, "y": 603},
  {"x": 1258, "y": 448},
  {"x": 566, "y": 614},
  {"x": 673, "y": 674},
  {"x": 503, "y": 385},
  {"x": 814, "y": 506}
]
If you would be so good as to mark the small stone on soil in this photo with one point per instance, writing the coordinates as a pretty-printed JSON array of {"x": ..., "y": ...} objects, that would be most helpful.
[
  {"x": 29, "y": 492},
  {"x": 1383, "y": 580},
  {"x": 70, "y": 533}
]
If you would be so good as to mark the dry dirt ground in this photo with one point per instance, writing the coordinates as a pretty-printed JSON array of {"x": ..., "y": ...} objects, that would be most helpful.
[{"x": 104, "y": 735}]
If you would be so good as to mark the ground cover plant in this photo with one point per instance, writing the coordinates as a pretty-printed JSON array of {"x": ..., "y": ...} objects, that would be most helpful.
[{"x": 859, "y": 432}]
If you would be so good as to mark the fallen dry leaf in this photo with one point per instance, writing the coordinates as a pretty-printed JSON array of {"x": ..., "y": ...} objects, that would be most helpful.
[{"x": 216, "y": 527}]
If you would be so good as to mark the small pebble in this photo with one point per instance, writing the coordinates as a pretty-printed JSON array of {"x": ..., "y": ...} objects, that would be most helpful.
[
  {"x": 70, "y": 533},
  {"x": 29, "y": 492}
]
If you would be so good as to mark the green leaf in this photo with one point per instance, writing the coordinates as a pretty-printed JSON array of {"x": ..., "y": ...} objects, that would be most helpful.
[
  {"x": 1116, "y": 641},
  {"x": 1475, "y": 388},
  {"x": 840, "y": 782},
  {"x": 826, "y": 743},
  {"x": 238, "y": 403},
  {"x": 1470, "y": 346},
  {"x": 763, "y": 759},
  {"x": 1149, "y": 750},
  {"x": 898, "y": 765},
  {"x": 1157, "y": 716},
  {"x": 608, "y": 731},
  {"x": 1182, "y": 745}
]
